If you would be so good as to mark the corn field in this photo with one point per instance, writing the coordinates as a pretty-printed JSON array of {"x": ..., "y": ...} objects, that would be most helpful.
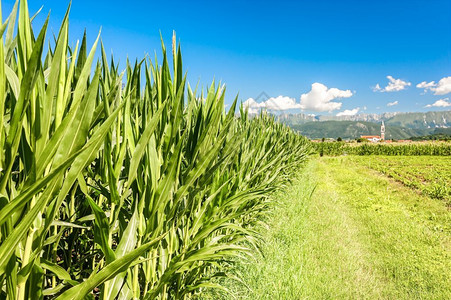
[
  {"x": 343, "y": 148},
  {"x": 124, "y": 185}
]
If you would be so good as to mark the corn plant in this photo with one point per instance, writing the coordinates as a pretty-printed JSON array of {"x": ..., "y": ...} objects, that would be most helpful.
[{"x": 124, "y": 185}]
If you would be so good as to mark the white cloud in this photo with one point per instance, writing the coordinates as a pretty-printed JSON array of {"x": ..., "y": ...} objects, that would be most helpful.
[
  {"x": 392, "y": 103},
  {"x": 394, "y": 85},
  {"x": 320, "y": 98},
  {"x": 279, "y": 103},
  {"x": 426, "y": 85},
  {"x": 440, "y": 103},
  {"x": 348, "y": 112},
  {"x": 443, "y": 87}
]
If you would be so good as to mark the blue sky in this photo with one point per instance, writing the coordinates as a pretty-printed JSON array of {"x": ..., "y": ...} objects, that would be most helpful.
[{"x": 329, "y": 51}]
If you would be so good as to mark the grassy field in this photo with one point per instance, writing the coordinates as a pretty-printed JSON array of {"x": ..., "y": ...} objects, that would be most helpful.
[{"x": 344, "y": 231}]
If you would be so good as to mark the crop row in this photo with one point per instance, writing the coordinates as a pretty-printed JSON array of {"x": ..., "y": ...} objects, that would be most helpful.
[
  {"x": 343, "y": 148},
  {"x": 430, "y": 175},
  {"x": 121, "y": 185}
]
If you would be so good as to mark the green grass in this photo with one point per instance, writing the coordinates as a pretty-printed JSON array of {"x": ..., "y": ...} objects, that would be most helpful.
[{"x": 360, "y": 235}]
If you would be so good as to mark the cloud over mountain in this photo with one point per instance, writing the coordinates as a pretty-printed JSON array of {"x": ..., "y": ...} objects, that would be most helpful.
[
  {"x": 279, "y": 103},
  {"x": 320, "y": 98},
  {"x": 440, "y": 103},
  {"x": 348, "y": 112}
]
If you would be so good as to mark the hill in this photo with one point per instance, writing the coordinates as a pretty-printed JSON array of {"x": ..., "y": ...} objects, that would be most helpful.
[
  {"x": 354, "y": 129},
  {"x": 439, "y": 134}
]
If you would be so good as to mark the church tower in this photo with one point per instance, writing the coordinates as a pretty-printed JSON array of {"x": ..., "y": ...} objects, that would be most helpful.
[{"x": 382, "y": 131}]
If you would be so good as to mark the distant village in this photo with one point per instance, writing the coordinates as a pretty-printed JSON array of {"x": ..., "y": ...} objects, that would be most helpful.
[
  {"x": 376, "y": 138},
  {"x": 370, "y": 138}
]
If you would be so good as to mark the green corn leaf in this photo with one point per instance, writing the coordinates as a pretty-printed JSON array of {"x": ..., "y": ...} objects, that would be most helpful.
[
  {"x": 13, "y": 81},
  {"x": 14, "y": 134},
  {"x": 76, "y": 134},
  {"x": 55, "y": 269},
  {"x": 110, "y": 271},
  {"x": 83, "y": 74},
  {"x": 81, "y": 161},
  {"x": 126, "y": 244},
  {"x": 68, "y": 224},
  {"x": 101, "y": 230},
  {"x": 59, "y": 59},
  {"x": 11, "y": 25},
  {"x": 3, "y": 78},
  {"x": 34, "y": 290},
  {"x": 142, "y": 144}
]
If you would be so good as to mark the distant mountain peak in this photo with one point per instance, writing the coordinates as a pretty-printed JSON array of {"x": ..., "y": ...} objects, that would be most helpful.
[
  {"x": 417, "y": 120},
  {"x": 398, "y": 125}
]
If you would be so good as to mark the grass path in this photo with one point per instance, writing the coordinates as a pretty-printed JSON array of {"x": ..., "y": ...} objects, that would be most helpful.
[{"x": 343, "y": 231}]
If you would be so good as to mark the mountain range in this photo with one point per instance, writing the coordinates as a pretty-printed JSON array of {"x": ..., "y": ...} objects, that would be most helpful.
[{"x": 398, "y": 125}]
